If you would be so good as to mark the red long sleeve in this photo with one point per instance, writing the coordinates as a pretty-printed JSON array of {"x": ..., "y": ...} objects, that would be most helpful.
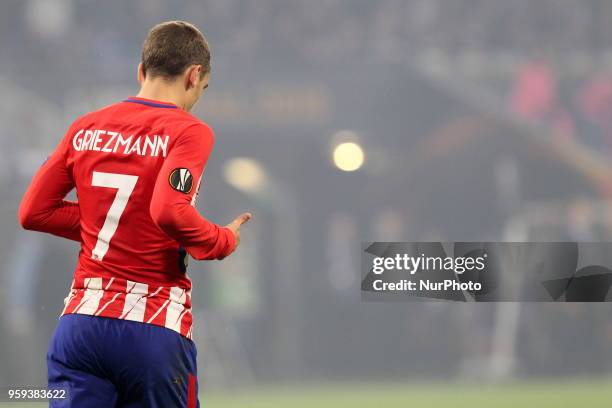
[
  {"x": 43, "y": 207},
  {"x": 174, "y": 194}
]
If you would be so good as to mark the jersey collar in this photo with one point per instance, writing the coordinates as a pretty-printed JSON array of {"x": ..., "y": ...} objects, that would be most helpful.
[{"x": 150, "y": 102}]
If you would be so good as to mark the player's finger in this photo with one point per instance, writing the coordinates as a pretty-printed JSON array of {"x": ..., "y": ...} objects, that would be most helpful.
[{"x": 242, "y": 218}]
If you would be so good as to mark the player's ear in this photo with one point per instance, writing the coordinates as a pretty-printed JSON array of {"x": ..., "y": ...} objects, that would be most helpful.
[
  {"x": 193, "y": 75},
  {"x": 141, "y": 75}
]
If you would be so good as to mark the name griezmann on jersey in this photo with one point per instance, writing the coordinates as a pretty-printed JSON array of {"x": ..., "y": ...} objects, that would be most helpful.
[{"x": 106, "y": 141}]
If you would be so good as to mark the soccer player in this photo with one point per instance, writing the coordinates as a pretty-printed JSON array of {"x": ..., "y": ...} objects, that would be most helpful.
[{"x": 125, "y": 334}]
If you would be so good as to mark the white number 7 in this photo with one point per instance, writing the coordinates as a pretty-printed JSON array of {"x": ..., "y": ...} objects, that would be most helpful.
[{"x": 125, "y": 185}]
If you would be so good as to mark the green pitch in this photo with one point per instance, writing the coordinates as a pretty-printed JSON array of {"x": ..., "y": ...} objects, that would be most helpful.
[
  {"x": 538, "y": 395},
  {"x": 562, "y": 394}
]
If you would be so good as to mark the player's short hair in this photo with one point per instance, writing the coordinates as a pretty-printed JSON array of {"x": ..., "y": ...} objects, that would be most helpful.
[{"x": 171, "y": 47}]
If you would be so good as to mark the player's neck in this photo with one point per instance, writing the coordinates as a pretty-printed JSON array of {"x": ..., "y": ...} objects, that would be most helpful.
[{"x": 162, "y": 91}]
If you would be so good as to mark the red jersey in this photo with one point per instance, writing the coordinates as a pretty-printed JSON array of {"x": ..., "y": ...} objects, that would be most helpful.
[{"x": 136, "y": 166}]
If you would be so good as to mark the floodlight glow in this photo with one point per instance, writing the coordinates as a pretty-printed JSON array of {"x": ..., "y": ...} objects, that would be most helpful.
[
  {"x": 244, "y": 174},
  {"x": 348, "y": 156}
]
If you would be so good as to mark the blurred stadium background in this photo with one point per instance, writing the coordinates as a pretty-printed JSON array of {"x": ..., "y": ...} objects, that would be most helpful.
[{"x": 462, "y": 120}]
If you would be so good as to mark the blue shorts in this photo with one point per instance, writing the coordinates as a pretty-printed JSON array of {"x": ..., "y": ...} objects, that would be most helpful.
[{"x": 105, "y": 362}]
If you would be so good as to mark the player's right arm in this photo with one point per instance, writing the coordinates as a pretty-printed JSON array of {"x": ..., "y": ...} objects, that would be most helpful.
[{"x": 176, "y": 185}]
